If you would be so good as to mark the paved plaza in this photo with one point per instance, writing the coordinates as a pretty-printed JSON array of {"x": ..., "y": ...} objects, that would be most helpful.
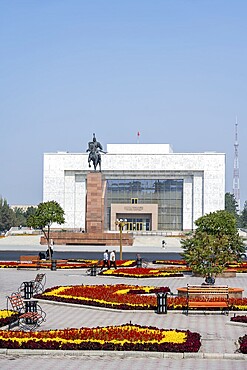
[{"x": 219, "y": 336}]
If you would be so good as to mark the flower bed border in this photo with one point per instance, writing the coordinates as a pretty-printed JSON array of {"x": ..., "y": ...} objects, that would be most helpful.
[{"x": 192, "y": 341}]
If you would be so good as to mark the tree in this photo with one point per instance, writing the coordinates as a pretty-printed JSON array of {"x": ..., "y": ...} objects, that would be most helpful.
[
  {"x": 45, "y": 215},
  {"x": 214, "y": 244},
  {"x": 6, "y": 215},
  {"x": 243, "y": 216},
  {"x": 19, "y": 217},
  {"x": 231, "y": 204},
  {"x": 30, "y": 211}
]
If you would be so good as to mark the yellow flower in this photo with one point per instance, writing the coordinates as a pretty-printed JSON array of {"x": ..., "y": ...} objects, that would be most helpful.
[
  {"x": 127, "y": 263},
  {"x": 6, "y": 313},
  {"x": 242, "y": 308}
]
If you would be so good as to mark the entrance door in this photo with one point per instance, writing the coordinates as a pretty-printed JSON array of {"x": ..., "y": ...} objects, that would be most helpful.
[{"x": 138, "y": 224}]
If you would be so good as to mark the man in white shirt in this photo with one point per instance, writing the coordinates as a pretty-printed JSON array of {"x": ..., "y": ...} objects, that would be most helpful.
[
  {"x": 113, "y": 259},
  {"x": 105, "y": 260}
]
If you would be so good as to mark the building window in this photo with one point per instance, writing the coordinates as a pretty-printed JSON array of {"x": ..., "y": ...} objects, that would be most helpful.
[
  {"x": 167, "y": 193},
  {"x": 134, "y": 200}
]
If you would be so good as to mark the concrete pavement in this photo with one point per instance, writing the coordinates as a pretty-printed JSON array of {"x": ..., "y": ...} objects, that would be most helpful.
[
  {"x": 219, "y": 336},
  {"x": 141, "y": 244}
]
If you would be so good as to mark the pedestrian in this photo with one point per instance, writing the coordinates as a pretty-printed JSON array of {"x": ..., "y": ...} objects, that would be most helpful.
[
  {"x": 41, "y": 256},
  {"x": 113, "y": 259},
  {"x": 105, "y": 260},
  {"x": 48, "y": 252},
  {"x": 138, "y": 260}
]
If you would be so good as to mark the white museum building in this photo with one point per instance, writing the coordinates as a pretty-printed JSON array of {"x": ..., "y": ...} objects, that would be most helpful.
[{"x": 149, "y": 185}]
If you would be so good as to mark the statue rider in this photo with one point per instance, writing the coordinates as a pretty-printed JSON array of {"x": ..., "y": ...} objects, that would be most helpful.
[{"x": 94, "y": 149}]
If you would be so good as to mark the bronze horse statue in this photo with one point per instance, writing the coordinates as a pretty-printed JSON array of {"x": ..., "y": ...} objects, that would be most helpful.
[
  {"x": 96, "y": 159},
  {"x": 94, "y": 149}
]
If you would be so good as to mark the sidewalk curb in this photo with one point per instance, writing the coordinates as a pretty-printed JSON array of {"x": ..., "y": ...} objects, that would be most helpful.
[
  {"x": 235, "y": 323},
  {"x": 124, "y": 354},
  {"x": 78, "y": 305}
]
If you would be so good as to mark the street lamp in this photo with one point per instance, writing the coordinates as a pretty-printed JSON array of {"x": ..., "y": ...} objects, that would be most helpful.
[{"x": 121, "y": 223}]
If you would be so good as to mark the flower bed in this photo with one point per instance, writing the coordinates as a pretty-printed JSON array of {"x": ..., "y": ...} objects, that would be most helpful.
[
  {"x": 119, "y": 296},
  {"x": 169, "y": 262},
  {"x": 238, "y": 304},
  {"x": 238, "y": 318},
  {"x": 9, "y": 264},
  {"x": 99, "y": 263},
  {"x": 140, "y": 272},
  {"x": 243, "y": 344},
  {"x": 71, "y": 264},
  {"x": 125, "y": 297},
  {"x": 7, "y": 317},
  {"x": 126, "y": 337},
  {"x": 180, "y": 303},
  {"x": 238, "y": 267}
]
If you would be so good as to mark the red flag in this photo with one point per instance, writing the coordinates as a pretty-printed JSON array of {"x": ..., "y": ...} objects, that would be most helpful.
[{"x": 138, "y": 133}]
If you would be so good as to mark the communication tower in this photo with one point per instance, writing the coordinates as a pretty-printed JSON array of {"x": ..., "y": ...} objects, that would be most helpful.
[{"x": 236, "y": 189}]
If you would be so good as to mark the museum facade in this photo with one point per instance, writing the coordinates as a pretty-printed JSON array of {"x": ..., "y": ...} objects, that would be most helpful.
[{"x": 148, "y": 185}]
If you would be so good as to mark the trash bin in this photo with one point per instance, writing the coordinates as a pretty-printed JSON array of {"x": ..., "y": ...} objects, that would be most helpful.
[
  {"x": 93, "y": 271},
  {"x": 30, "y": 306},
  {"x": 28, "y": 289},
  {"x": 162, "y": 303},
  {"x": 53, "y": 265}
]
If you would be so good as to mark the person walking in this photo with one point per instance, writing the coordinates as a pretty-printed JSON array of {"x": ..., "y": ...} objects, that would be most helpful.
[
  {"x": 105, "y": 260},
  {"x": 113, "y": 259}
]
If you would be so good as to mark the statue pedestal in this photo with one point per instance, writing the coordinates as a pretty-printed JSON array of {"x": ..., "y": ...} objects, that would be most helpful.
[
  {"x": 79, "y": 238},
  {"x": 95, "y": 208},
  {"x": 95, "y": 220}
]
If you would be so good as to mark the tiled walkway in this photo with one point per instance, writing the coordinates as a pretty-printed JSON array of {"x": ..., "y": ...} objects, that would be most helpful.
[{"x": 218, "y": 336}]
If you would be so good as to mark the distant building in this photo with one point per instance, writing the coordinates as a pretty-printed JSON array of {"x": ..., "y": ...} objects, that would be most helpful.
[
  {"x": 146, "y": 184},
  {"x": 22, "y": 206}
]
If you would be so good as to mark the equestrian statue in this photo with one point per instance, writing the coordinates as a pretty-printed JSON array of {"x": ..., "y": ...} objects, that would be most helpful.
[{"x": 94, "y": 149}]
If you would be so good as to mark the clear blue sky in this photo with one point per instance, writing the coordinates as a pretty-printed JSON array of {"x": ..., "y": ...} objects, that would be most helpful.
[{"x": 175, "y": 70}]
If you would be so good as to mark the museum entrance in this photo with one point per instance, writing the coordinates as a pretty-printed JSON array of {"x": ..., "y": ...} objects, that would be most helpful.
[
  {"x": 138, "y": 224},
  {"x": 138, "y": 218}
]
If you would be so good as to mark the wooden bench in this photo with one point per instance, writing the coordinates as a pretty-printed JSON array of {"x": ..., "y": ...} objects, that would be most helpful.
[
  {"x": 29, "y": 262},
  {"x": 57, "y": 260},
  {"x": 207, "y": 292},
  {"x": 29, "y": 259}
]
